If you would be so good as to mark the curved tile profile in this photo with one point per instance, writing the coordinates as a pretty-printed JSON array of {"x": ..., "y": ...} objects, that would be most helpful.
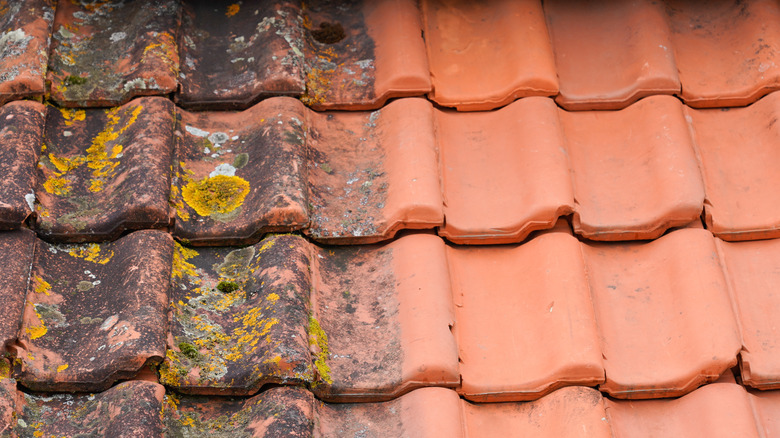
[
  {"x": 635, "y": 170},
  {"x": 753, "y": 272},
  {"x": 16, "y": 258},
  {"x": 609, "y": 54},
  {"x": 104, "y": 54},
  {"x": 236, "y": 54},
  {"x": 736, "y": 147},
  {"x": 727, "y": 53},
  {"x": 239, "y": 317},
  {"x": 372, "y": 173},
  {"x": 129, "y": 409},
  {"x": 485, "y": 55},
  {"x": 94, "y": 313},
  {"x": 21, "y": 134},
  {"x": 103, "y": 172},
  {"x": 517, "y": 155},
  {"x": 715, "y": 410},
  {"x": 766, "y": 406},
  {"x": 525, "y": 323},
  {"x": 277, "y": 412},
  {"x": 239, "y": 175},
  {"x": 24, "y": 47},
  {"x": 360, "y": 53},
  {"x": 381, "y": 319},
  {"x": 664, "y": 313}
]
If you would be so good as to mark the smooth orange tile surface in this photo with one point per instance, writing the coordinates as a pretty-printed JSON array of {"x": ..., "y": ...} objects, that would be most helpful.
[
  {"x": 525, "y": 323},
  {"x": 504, "y": 173},
  {"x": 608, "y": 54},
  {"x": 737, "y": 148},
  {"x": 663, "y": 312},
  {"x": 635, "y": 171},
  {"x": 484, "y": 55},
  {"x": 727, "y": 52},
  {"x": 766, "y": 406}
]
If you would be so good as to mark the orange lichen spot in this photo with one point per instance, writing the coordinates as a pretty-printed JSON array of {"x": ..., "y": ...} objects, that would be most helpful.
[
  {"x": 37, "y": 330},
  {"x": 63, "y": 164},
  {"x": 232, "y": 9},
  {"x": 57, "y": 186},
  {"x": 72, "y": 115},
  {"x": 216, "y": 194},
  {"x": 91, "y": 253},
  {"x": 62, "y": 368},
  {"x": 317, "y": 85},
  {"x": 41, "y": 286},
  {"x": 272, "y": 297},
  {"x": 181, "y": 267}
]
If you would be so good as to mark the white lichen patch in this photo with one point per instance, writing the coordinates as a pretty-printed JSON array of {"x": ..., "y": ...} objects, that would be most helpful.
[
  {"x": 30, "y": 198},
  {"x": 13, "y": 43},
  {"x": 223, "y": 169},
  {"x": 118, "y": 36},
  {"x": 196, "y": 131}
]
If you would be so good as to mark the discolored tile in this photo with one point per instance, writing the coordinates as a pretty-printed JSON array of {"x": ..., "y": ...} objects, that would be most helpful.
[
  {"x": 372, "y": 173},
  {"x": 103, "y": 172},
  {"x": 635, "y": 192},
  {"x": 129, "y": 409},
  {"x": 106, "y": 53},
  {"x": 8, "y": 400},
  {"x": 360, "y": 53},
  {"x": 277, "y": 412},
  {"x": 736, "y": 147},
  {"x": 239, "y": 175},
  {"x": 16, "y": 258},
  {"x": 94, "y": 313},
  {"x": 21, "y": 136},
  {"x": 236, "y": 54},
  {"x": 663, "y": 312},
  {"x": 484, "y": 55},
  {"x": 24, "y": 47},
  {"x": 609, "y": 54},
  {"x": 525, "y": 322},
  {"x": 239, "y": 317}
]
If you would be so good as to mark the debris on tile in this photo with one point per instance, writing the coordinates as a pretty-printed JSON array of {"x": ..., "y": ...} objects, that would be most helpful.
[{"x": 94, "y": 313}]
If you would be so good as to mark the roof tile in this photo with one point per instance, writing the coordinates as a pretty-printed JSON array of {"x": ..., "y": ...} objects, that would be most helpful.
[
  {"x": 512, "y": 300},
  {"x": 16, "y": 257},
  {"x": 24, "y": 47},
  {"x": 766, "y": 406},
  {"x": 664, "y": 314},
  {"x": 112, "y": 298},
  {"x": 104, "y": 54}
]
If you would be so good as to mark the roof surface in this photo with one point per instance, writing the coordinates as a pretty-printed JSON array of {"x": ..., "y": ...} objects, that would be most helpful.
[{"x": 389, "y": 218}]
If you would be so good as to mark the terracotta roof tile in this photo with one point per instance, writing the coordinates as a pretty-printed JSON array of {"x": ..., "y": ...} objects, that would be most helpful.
[
  {"x": 111, "y": 297},
  {"x": 24, "y": 45},
  {"x": 766, "y": 408},
  {"x": 16, "y": 257}
]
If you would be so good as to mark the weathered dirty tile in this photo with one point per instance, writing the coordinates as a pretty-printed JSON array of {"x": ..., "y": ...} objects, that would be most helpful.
[
  {"x": 484, "y": 55},
  {"x": 359, "y": 53},
  {"x": 129, "y": 409},
  {"x": 239, "y": 175},
  {"x": 103, "y": 172},
  {"x": 239, "y": 317},
  {"x": 381, "y": 319},
  {"x": 21, "y": 136},
  {"x": 373, "y": 173},
  {"x": 635, "y": 170},
  {"x": 516, "y": 155},
  {"x": 609, "y": 54},
  {"x": 94, "y": 313},
  {"x": 277, "y": 412},
  {"x": 664, "y": 314},
  {"x": 525, "y": 322},
  {"x": 715, "y": 410},
  {"x": 753, "y": 272},
  {"x": 8, "y": 400},
  {"x": 25, "y": 32},
  {"x": 737, "y": 148},
  {"x": 235, "y": 54},
  {"x": 16, "y": 258},
  {"x": 727, "y": 52},
  {"x": 105, "y": 53},
  {"x": 568, "y": 412},
  {"x": 425, "y": 413}
]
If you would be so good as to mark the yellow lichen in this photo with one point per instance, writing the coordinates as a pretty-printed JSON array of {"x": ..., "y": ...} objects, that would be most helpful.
[
  {"x": 319, "y": 338},
  {"x": 72, "y": 115},
  {"x": 232, "y": 10},
  {"x": 62, "y": 368},
  {"x": 91, "y": 252},
  {"x": 41, "y": 286},
  {"x": 37, "y": 330},
  {"x": 317, "y": 85},
  {"x": 272, "y": 297},
  {"x": 57, "y": 186},
  {"x": 181, "y": 266},
  {"x": 216, "y": 194}
]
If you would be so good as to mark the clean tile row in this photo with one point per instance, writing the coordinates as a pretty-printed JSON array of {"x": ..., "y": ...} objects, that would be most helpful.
[
  {"x": 498, "y": 323},
  {"x": 473, "y": 56},
  {"x": 226, "y": 178},
  {"x": 144, "y": 409}
]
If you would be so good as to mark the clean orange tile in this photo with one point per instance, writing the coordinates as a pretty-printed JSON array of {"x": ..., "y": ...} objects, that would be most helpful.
[
  {"x": 484, "y": 55},
  {"x": 737, "y": 148},
  {"x": 504, "y": 173},
  {"x": 727, "y": 52},
  {"x": 635, "y": 171},
  {"x": 753, "y": 272},
  {"x": 766, "y": 406},
  {"x": 608, "y": 54},
  {"x": 525, "y": 322},
  {"x": 715, "y": 410},
  {"x": 663, "y": 312}
]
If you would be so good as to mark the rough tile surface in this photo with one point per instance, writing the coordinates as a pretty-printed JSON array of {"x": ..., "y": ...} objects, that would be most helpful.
[{"x": 16, "y": 258}]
